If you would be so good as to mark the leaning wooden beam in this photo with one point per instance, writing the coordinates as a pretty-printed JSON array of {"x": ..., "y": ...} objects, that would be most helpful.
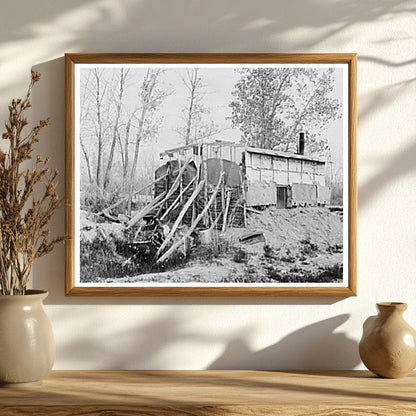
[
  {"x": 177, "y": 181},
  {"x": 176, "y": 201},
  {"x": 204, "y": 169},
  {"x": 125, "y": 198},
  {"x": 227, "y": 207},
  {"x": 194, "y": 224},
  {"x": 148, "y": 208},
  {"x": 172, "y": 189},
  {"x": 198, "y": 174},
  {"x": 174, "y": 186},
  {"x": 215, "y": 222},
  {"x": 244, "y": 193},
  {"x": 181, "y": 215},
  {"x": 157, "y": 203},
  {"x": 252, "y": 210},
  {"x": 109, "y": 217},
  {"x": 223, "y": 203}
]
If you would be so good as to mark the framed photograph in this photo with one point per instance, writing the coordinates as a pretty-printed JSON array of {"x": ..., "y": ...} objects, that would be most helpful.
[{"x": 211, "y": 174}]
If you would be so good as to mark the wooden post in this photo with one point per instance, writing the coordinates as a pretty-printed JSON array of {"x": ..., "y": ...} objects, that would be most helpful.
[
  {"x": 181, "y": 181},
  {"x": 205, "y": 175},
  {"x": 198, "y": 174},
  {"x": 227, "y": 207},
  {"x": 222, "y": 190},
  {"x": 237, "y": 204},
  {"x": 215, "y": 222},
  {"x": 244, "y": 192}
]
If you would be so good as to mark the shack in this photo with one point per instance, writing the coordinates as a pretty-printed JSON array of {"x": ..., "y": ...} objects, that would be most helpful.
[
  {"x": 204, "y": 187},
  {"x": 263, "y": 177}
]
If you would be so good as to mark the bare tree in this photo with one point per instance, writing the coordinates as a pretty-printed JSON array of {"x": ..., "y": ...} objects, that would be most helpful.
[
  {"x": 125, "y": 152},
  {"x": 150, "y": 97},
  {"x": 84, "y": 114},
  {"x": 99, "y": 95},
  {"x": 195, "y": 128},
  {"x": 93, "y": 117},
  {"x": 115, "y": 123}
]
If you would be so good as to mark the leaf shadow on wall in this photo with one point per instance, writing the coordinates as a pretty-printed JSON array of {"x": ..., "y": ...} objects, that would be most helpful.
[
  {"x": 133, "y": 26},
  {"x": 149, "y": 346},
  {"x": 144, "y": 346},
  {"x": 402, "y": 162},
  {"x": 393, "y": 169},
  {"x": 219, "y": 23},
  {"x": 313, "y": 347}
]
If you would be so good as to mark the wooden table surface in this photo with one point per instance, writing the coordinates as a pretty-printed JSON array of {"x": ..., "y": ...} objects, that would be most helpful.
[{"x": 254, "y": 393}]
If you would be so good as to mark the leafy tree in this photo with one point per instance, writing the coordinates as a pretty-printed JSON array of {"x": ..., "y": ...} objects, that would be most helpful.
[{"x": 272, "y": 105}]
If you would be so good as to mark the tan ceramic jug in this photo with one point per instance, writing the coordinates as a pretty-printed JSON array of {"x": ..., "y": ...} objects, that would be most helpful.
[
  {"x": 388, "y": 344},
  {"x": 27, "y": 347}
]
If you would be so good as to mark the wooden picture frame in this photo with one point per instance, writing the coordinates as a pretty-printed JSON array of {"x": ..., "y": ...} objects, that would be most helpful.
[{"x": 256, "y": 66}]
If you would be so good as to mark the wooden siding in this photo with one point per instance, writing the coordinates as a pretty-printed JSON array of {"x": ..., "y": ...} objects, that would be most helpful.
[
  {"x": 304, "y": 194},
  {"x": 284, "y": 170},
  {"x": 261, "y": 193},
  {"x": 323, "y": 195}
]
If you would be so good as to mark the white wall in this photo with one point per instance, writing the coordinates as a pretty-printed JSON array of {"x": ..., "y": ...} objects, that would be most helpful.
[{"x": 198, "y": 333}]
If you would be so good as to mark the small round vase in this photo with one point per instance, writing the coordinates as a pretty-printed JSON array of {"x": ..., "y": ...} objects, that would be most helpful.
[
  {"x": 27, "y": 347},
  {"x": 388, "y": 345}
]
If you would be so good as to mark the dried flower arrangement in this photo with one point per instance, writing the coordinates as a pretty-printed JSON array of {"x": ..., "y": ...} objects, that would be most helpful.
[{"x": 28, "y": 199}]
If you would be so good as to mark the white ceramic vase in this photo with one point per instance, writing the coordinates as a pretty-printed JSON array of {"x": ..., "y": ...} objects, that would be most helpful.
[{"x": 27, "y": 347}]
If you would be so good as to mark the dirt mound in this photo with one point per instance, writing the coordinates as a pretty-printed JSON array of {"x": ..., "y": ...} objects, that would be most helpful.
[
  {"x": 285, "y": 228},
  {"x": 93, "y": 227}
]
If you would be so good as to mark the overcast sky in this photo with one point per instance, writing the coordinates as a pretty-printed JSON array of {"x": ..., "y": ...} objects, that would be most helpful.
[{"x": 219, "y": 86}]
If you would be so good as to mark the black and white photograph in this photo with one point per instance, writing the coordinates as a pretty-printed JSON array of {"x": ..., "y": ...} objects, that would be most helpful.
[{"x": 211, "y": 174}]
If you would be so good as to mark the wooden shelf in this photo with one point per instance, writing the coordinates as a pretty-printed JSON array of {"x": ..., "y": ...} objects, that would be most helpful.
[{"x": 202, "y": 393}]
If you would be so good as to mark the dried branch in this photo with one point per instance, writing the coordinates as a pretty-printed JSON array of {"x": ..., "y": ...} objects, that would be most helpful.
[{"x": 23, "y": 218}]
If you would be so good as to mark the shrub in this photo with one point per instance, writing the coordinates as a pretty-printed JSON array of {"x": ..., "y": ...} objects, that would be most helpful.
[
  {"x": 120, "y": 257},
  {"x": 308, "y": 248},
  {"x": 218, "y": 247},
  {"x": 337, "y": 248},
  {"x": 94, "y": 200},
  {"x": 240, "y": 256},
  {"x": 268, "y": 251}
]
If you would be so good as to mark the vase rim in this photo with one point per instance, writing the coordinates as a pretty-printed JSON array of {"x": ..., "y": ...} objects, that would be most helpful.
[
  {"x": 401, "y": 306},
  {"x": 30, "y": 293}
]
